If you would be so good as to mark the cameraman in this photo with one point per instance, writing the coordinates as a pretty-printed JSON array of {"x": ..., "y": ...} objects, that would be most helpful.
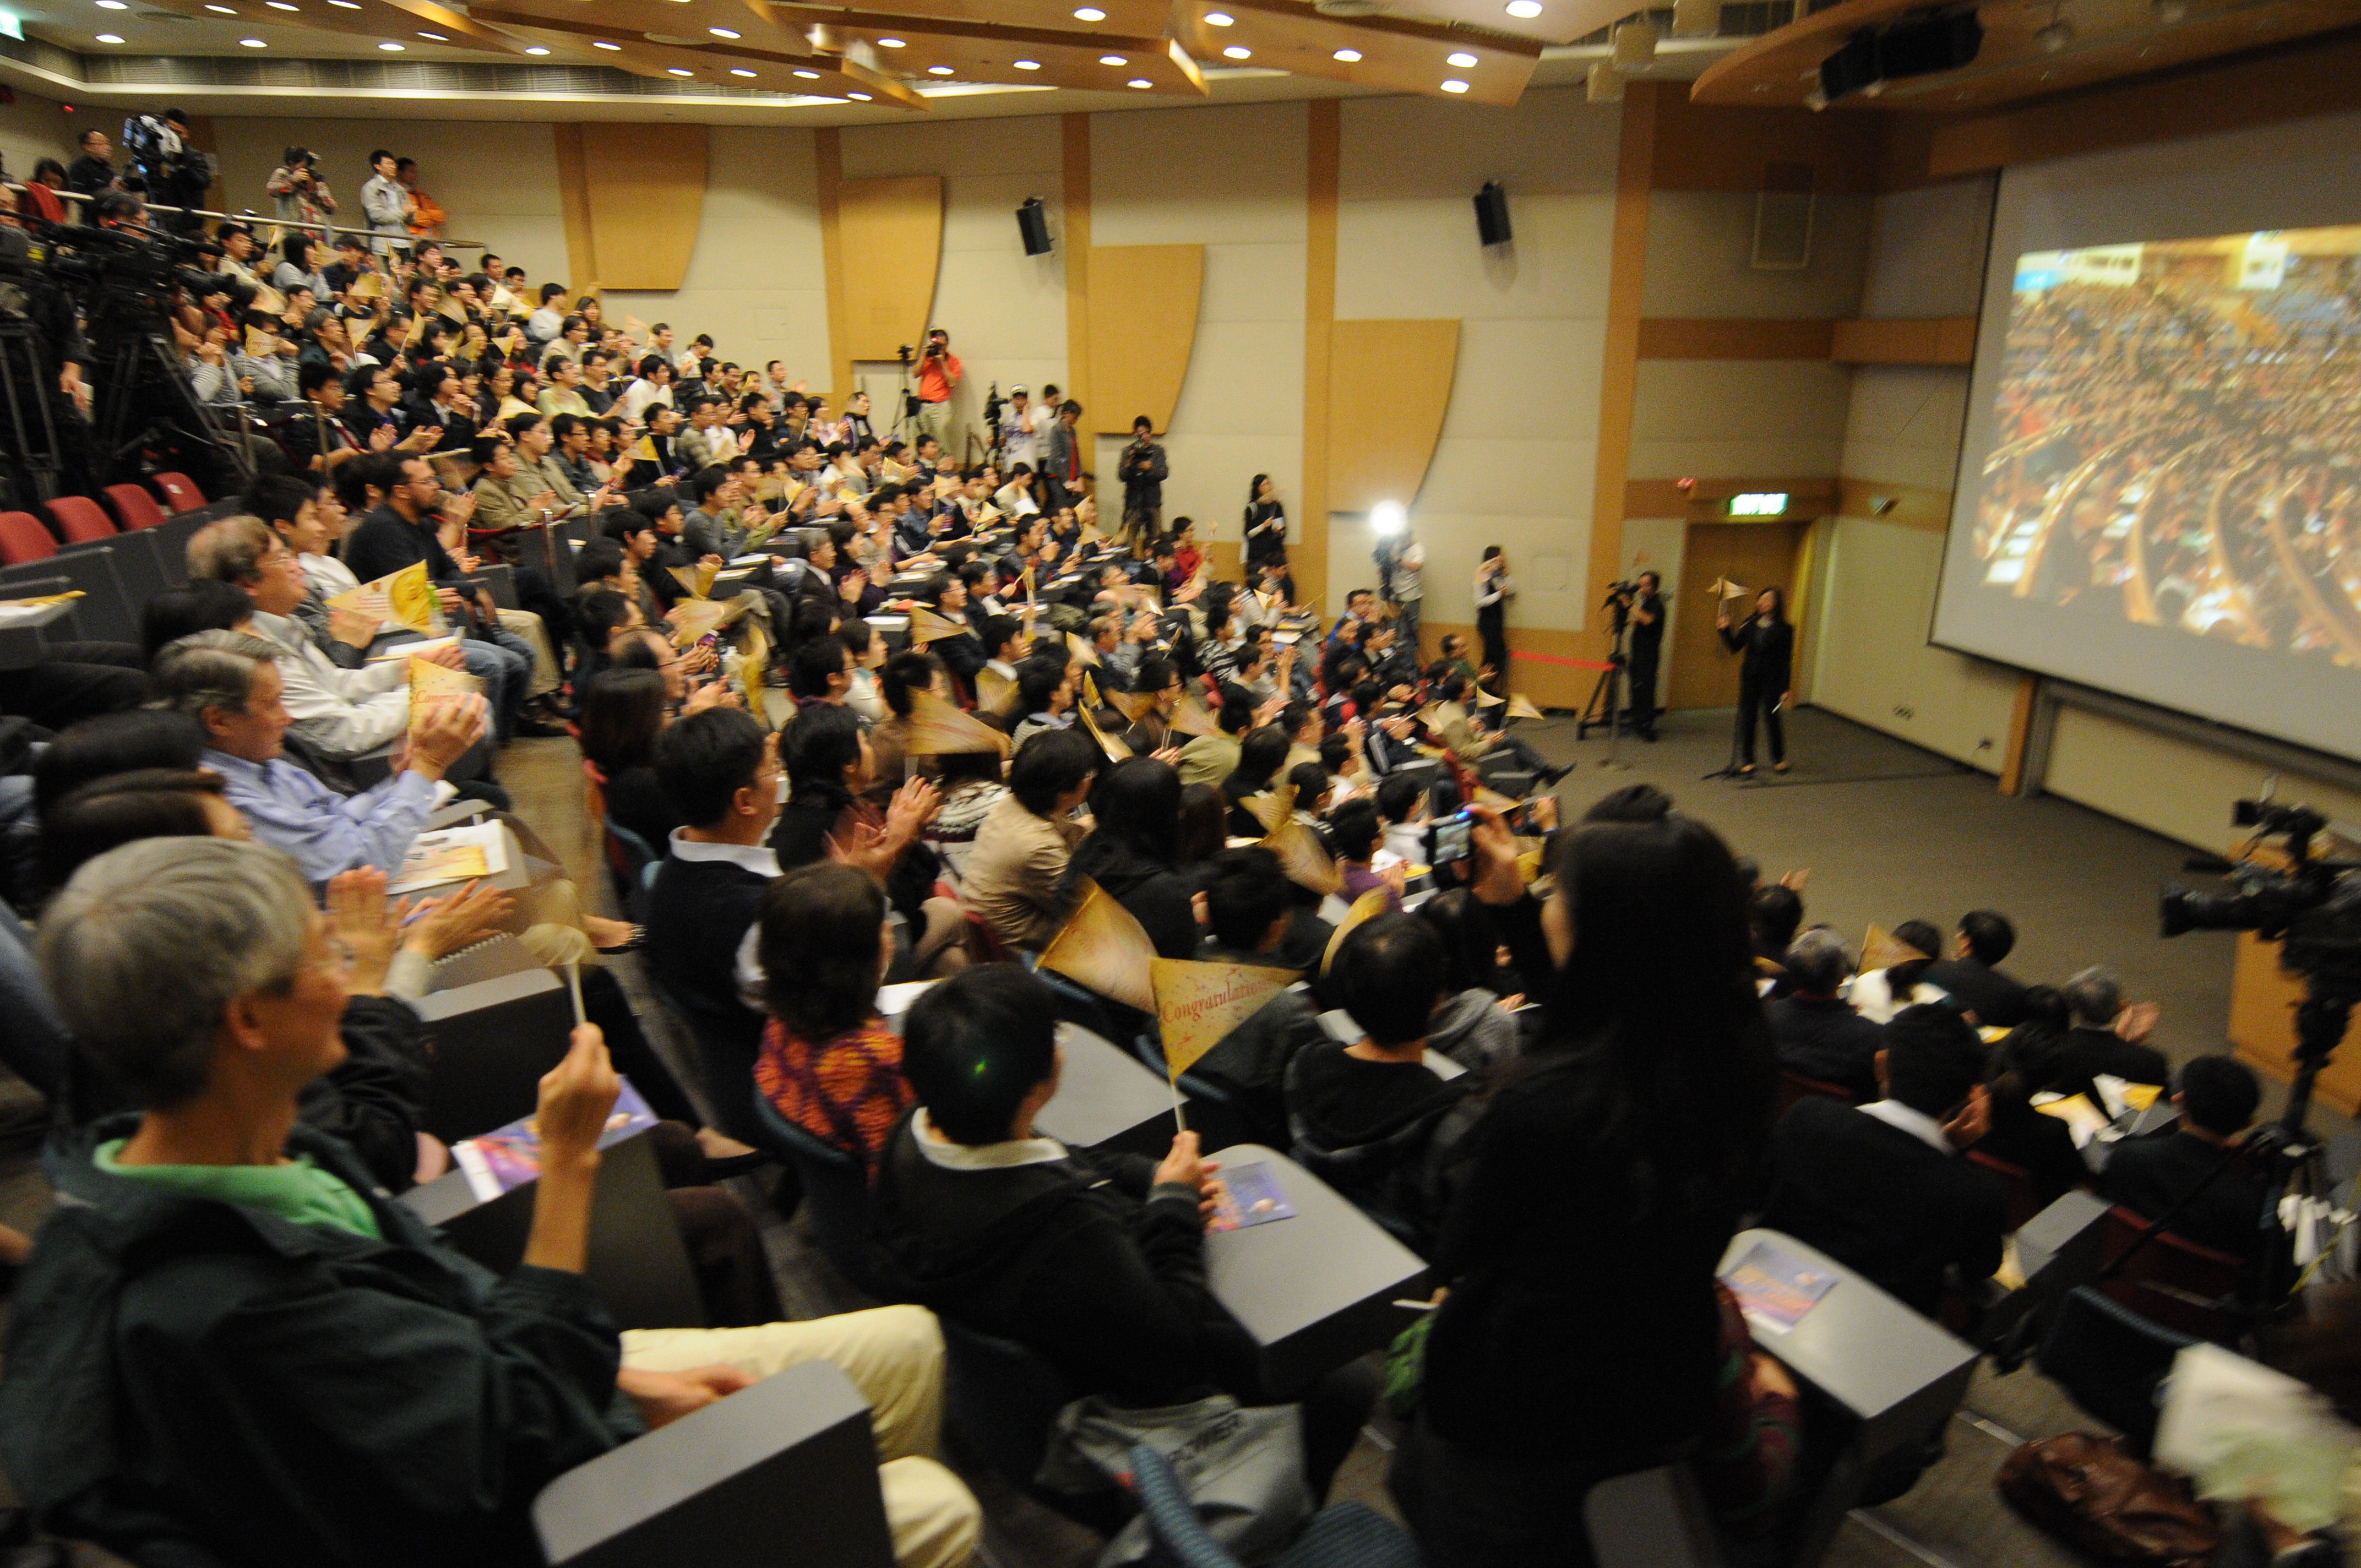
[
  {"x": 180, "y": 175},
  {"x": 1144, "y": 473},
  {"x": 46, "y": 306},
  {"x": 94, "y": 171},
  {"x": 1647, "y": 647},
  {"x": 938, "y": 376},
  {"x": 302, "y": 198}
]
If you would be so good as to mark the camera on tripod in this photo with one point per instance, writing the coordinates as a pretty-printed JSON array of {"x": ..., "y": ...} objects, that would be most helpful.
[
  {"x": 2312, "y": 906},
  {"x": 1619, "y": 593}
]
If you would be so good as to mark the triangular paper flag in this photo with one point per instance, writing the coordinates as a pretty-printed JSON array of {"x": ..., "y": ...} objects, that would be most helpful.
[
  {"x": 1271, "y": 807},
  {"x": 1522, "y": 707},
  {"x": 1083, "y": 649},
  {"x": 457, "y": 470},
  {"x": 1133, "y": 706},
  {"x": 937, "y": 729},
  {"x": 697, "y": 580},
  {"x": 995, "y": 693},
  {"x": 1492, "y": 800},
  {"x": 1881, "y": 949},
  {"x": 268, "y": 301},
  {"x": 1104, "y": 947},
  {"x": 692, "y": 618},
  {"x": 1190, "y": 717},
  {"x": 1305, "y": 860},
  {"x": 432, "y": 686},
  {"x": 1486, "y": 699},
  {"x": 1198, "y": 1004},
  {"x": 1725, "y": 589},
  {"x": 927, "y": 626},
  {"x": 451, "y": 311},
  {"x": 367, "y": 286},
  {"x": 407, "y": 597},
  {"x": 1116, "y": 749},
  {"x": 1370, "y": 906},
  {"x": 259, "y": 343}
]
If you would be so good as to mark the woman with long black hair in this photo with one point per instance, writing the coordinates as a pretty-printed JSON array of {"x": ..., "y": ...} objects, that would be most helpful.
[
  {"x": 1766, "y": 644},
  {"x": 1581, "y": 1334},
  {"x": 1266, "y": 526}
]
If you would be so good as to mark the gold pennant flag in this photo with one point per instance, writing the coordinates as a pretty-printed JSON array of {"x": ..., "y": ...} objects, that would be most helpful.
[
  {"x": 1723, "y": 588},
  {"x": 1272, "y": 807},
  {"x": 1083, "y": 649},
  {"x": 694, "y": 617},
  {"x": 1881, "y": 949},
  {"x": 405, "y": 597},
  {"x": 432, "y": 686},
  {"x": 457, "y": 470},
  {"x": 367, "y": 286},
  {"x": 927, "y": 626},
  {"x": 1189, "y": 715},
  {"x": 995, "y": 693},
  {"x": 1369, "y": 906},
  {"x": 268, "y": 301},
  {"x": 1104, "y": 947},
  {"x": 1305, "y": 860},
  {"x": 259, "y": 343},
  {"x": 938, "y": 728},
  {"x": 1492, "y": 800},
  {"x": 1486, "y": 699},
  {"x": 697, "y": 579},
  {"x": 1133, "y": 706},
  {"x": 1522, "y": 707},
  {"x": 1116, "y": 749},
  {"x": 451, "y": 311},
  {"x": 1198, "y": 1004}
]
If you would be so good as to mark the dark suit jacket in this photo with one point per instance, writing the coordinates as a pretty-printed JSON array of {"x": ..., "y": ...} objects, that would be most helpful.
[
  {"x": 697, "y": 914},
  {"x": 2092, "y": 1051},
  {"x": 1881, "y": 1202},
  {"x": 1826, "y": 1040},
  {"x": 1995, "y": 997},
  {"x": 2148, "y": 1176}
]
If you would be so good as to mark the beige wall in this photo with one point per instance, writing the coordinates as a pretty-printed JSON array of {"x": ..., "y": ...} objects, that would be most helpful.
[
  {"x": 1519, "y": 443},
  {"x": 2169, "y": 785},
  {"x": 33, "y": 129}
]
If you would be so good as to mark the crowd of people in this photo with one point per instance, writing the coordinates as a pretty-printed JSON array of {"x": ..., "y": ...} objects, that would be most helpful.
[{"x": 934, "y": 707}]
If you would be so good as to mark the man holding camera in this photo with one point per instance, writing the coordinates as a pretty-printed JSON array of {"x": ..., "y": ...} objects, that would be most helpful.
[
  {"x": 938, "y": 376},
  {"x": 302, "y": 198},
  {"x": 1144, "y": 473},
  {"x": 1647, "y": 646}
]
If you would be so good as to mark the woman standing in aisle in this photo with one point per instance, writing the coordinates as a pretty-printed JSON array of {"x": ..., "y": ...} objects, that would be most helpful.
[
  {"x": 1266, "y": 526},
  {"x": 1766, "y": 640},
  {"x": 1494, "y": 589}
]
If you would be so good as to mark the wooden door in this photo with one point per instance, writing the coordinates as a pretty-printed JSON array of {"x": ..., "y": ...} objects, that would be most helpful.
[{"x": 1759, "y": 554}]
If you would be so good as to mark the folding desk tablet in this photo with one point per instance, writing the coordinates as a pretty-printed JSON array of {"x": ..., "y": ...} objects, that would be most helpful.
[
  {"x": 1317, "y": 1289},
  {"x": 492, "y": 1042},
  {"x": 1107, "y": 1099},
  {"x": 24, "y": 632},
  {"x": 782, "y": 1475}
]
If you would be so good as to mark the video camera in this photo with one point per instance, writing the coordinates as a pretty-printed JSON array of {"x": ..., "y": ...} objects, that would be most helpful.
[
  {"x": 2312, "y": 906},
  {"x": 111, "y": 269}
]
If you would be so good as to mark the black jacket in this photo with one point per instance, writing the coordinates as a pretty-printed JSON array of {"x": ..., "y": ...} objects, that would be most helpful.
[
  {"x": 2148, "y": 1176},
  {"x": 2090, "y": 1052},
  {"x": 1828, "y": 1040},
  {"x": 1144, "y": 486},
  {"x": 698, "y": 911},
  {"x": 1995, "y": 996},
  {"x": 1368, "y": 1129},
  {"x": 638, "y": 802},
  {"x": 1769, "y": 650},
  {"x": 1250, "y": 1063},
  {"x": 1881, "y": 1202},
  {"x": 1157, "y": 895},
  {"x": 386, "y": 542},
  {"x": 1078, "y": 1259},
  {"x": 2040, "y": 1145}
]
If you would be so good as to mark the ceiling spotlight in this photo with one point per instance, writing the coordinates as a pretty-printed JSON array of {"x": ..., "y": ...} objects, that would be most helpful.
[
  {"x": 862, "y": 96},
  {"x": 1026, "y": 64},
  {"x": 110, "y": 38},
  {"x": 529, "y": 49},
  {"x": 722, "y": 32},
  {"x": 676, "y": 70},
  {"x": 345, "y": 5},
  {"x": 115, "y": 5},
  {"x": 892, "y": 43},
  {"x": 222, "y": 9},
  {"x": 602, "y": 43},
  {"x": 1113, "y": 60},
  {"x": 1219, "y": 18},
  {"x": 252, "y": 43},
  {"x": 740, "y": 71},
  {"x": 393, "y": 47},
  {"x": 1347, "y": 55},
  {"x": 1463, "y": 59},
  {"x": 1602, "y": 83},
  {"x": 435, "y": 37},
  {"x": 1454, "y": 85},
  {"x": 1089, "y": 14},
  {"x": 279, "y": 6},
  {"x": 2053, "y": 39},
  {"x": 808, "y": 75},
  {"x": 1524, "y": 10},
  {"x": 1139, "y": 82},
  {"x": 1635, "y": 43},
  {"x": 1388, "y": 519},
  {"x": 1238, "y": 51},
  {"x": 939, "y": 71}
]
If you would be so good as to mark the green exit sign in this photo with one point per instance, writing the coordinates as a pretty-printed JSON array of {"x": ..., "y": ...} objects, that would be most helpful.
[{"x": 1759, "y": 503}]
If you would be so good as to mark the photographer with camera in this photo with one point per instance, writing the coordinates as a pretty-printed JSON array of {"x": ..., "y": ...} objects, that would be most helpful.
[
  {"x": 159, "y": 161},
  {"x": 939, "y": 374},
  {"x": 300, "y": 196},
  {"x": 1646, "y": 606},
  {"x": 1144, "y": 470}
]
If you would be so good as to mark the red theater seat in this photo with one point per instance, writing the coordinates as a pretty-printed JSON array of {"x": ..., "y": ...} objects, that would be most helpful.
[
  {"x": 23, "y": 539},
  {"x": 79, "y": 522},
  {"x": 135, "y": 508},
  {"x": 180, "y": 491}
]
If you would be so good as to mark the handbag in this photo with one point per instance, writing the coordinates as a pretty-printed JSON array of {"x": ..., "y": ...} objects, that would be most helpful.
[
  {"x": 2091, "y": 1494},
  {"x": 1242, "y": 1467}
]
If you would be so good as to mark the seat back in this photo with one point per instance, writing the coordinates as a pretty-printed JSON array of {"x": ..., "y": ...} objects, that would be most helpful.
[
  {"x": 594, "y": 792},
  {"x": 1003, "y": 1397},
  {"x": 2173, "y": 1281},
  {"x": 23, "y": 539},
  {"x": 180, "y": 491},
  {"x": 629, "y": 860},
  {"x": 836, "y": 1197},
  {"x": 79, "y": 520},
  {"x": 104, "y": 612},
  {"x": 133, "y": 507},
  {"x": 1651, "y": 1519},
  {"x": 1795, "y": 1086},
  {"x": 2024, "y": 1197},
  {"x": 2109, "y": 1359}
]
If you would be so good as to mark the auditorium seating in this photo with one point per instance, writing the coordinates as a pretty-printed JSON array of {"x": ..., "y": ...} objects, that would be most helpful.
[
  {"x": 1344, "y": 1535},
  {"x": 2024, "y": 1198},
  {"x": 2172, "y": 1281},
  {"x": 1795, "y": 1086},
  {"x": 24, "y": 539},
  {"x": 133, "y": 507},
  {"x": 80, "y": 520},
  {"x": 179, "y": 492}
]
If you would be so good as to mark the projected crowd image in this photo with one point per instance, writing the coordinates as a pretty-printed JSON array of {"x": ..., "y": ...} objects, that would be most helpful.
[{"x": 2177, "y": 439}]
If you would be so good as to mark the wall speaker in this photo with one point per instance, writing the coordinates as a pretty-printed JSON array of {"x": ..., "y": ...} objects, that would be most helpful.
[
  {"x": 1033, "y": 227},
  {"x": 1492, "y": 214}
]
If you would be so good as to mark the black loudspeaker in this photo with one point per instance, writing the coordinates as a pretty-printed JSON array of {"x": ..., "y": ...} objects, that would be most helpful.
[
  {"x": 1492, "y": 214},
  {"x": 1033, "y": 227}
]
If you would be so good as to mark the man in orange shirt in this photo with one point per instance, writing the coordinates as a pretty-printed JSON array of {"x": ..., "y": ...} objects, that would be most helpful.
[{"x": 938, "y": 376}]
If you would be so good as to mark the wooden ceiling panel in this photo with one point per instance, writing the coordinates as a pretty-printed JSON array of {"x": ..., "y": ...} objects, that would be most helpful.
[
  {"x": 1553, "y": 21},
  {"x": 1121, "y": 18},
  {"x": 818, "y": 75},
  {"x": 414, "y": 24},
  {"x": 934, "y": 50},
  {"x": 1382, "y": 51}
]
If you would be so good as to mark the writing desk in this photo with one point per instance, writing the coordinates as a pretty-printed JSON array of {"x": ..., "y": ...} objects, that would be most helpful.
[
  {"x": 1107, "y": 1099},
  {"x": 22, "y": 643}
]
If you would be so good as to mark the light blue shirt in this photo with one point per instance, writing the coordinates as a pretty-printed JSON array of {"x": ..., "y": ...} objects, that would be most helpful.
[{"x": 326, "y": 832}]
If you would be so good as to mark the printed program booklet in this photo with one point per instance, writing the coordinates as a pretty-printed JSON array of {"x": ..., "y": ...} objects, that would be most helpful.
[
  {"x": 1254, "y": 1198},
  {"x": 1776, "y": 1287},
  {"x": 507, "y": 1157}
]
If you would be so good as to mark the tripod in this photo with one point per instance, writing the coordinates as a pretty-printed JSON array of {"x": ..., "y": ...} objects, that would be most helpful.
[
  {"x": 143, "y": 402},
  {"x": 1604, "y": 708},
  {"x": 28, "y": 375}
]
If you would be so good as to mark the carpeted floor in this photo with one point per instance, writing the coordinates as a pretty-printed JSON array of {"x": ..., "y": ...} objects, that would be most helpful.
[{"x": 1888, "y": 832}]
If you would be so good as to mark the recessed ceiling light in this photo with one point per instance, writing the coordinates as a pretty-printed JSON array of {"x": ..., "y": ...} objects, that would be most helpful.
[
  {"x": 740, "y": 71},
  {"x": 1113, "y": 60},
  {"x": 529, "y": 49},
  {"x": 1527, "y": 9},
  {"x": 1089, "y": 14},
  {"x": 722, "y": 32},
  {"x": 110, "y": 38},
  {"x": 862, "y": 96},
  {"x": 1139, "y": 82},
  {"x": 252, "y": 43},
  {"x": 939, "y": 71},
  {"x": 808, "y": 75},
  {"x": 1454, "y": 86},
  {"x": 891, "y": 43},
  {"x": 602, "y": 43},
  {"x": 432, "y": 38},
  {"x": 1238, "y": 51},
  {"x": 676, "y": 70},
  {"x": 1347, "y": 55},
  {"x": 1219, "y": 18},
  {"x": 393, "y": 49},
  {"x": 222, "y": 10},
  {"x": 345, "y": 5},
  {"x": 279, "y": 6},
  {"x": 115, "y": 5},
  {"x": 1463, "y": 59},
  {"x": 1027, "y": 64}
]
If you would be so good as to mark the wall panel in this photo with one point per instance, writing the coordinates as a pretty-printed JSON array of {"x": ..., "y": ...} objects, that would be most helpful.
[
  {"x": 893, "y": 237},
  {"x": 1701, "y": 245},
  {"x": 1389, "y": 384},
  {"x": 646, "y": 201},
  {"x": 1143, "y": 304},
  {"x": 1735, "y": 418}
]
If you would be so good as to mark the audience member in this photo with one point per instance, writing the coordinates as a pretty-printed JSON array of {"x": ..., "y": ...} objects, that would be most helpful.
[
  {"x": 2027, "y": 1062},
  {"x": 623, "y": 717},
  {"x": 1878, "y": 994},
  {"x": 2106, "y": 1037},
  {"x": 1250, "y": 906},
  {"x": 1476, "y": 1024},
  {"x": 1815, "y": 1032},
  {"x": 1018, "y": 864},
  {"x": 828, "y": 1064},
  {"x": 1129, "y": 853},
  {"x": 2217, "y": 1096},
  {"x": 1972, "y": 973}
]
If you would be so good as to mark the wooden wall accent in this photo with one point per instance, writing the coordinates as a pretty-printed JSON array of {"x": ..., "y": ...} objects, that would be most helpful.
[
  {"x": 1707, "y": 147},
  {"x": 1143, "y": 323},
  {"x": 828, "y": 156},
  {"x": 643, "y": 186},
  {"x": 1946, "y": 341},
  {"x": 1324, "y": 141},
  {"x": 1388, "y": 384},
  {"x": 1074, "y": 133},
  {"x": 890, "y": 235},
  {"x": 1734, "y": 337},
  {"x": 1619, "y": 368},
  {"x": 574, "y": 202},
  {"x": 2020, "y": 731}
]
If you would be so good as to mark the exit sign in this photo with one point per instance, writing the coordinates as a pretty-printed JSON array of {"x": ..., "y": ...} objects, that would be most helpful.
[{"x": 1759, "y": 503}]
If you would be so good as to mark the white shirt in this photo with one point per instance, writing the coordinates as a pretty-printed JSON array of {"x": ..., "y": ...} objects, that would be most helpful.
[
  {"x": 327, "y": 576},
  {"x": 1872, "y": 996},
  {"x": 1491, "y": 590},
  {"x": 948, "y": 1155},
  {"x": 342, "y": 712},
  {"x": 1918, "y": 1123}
]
